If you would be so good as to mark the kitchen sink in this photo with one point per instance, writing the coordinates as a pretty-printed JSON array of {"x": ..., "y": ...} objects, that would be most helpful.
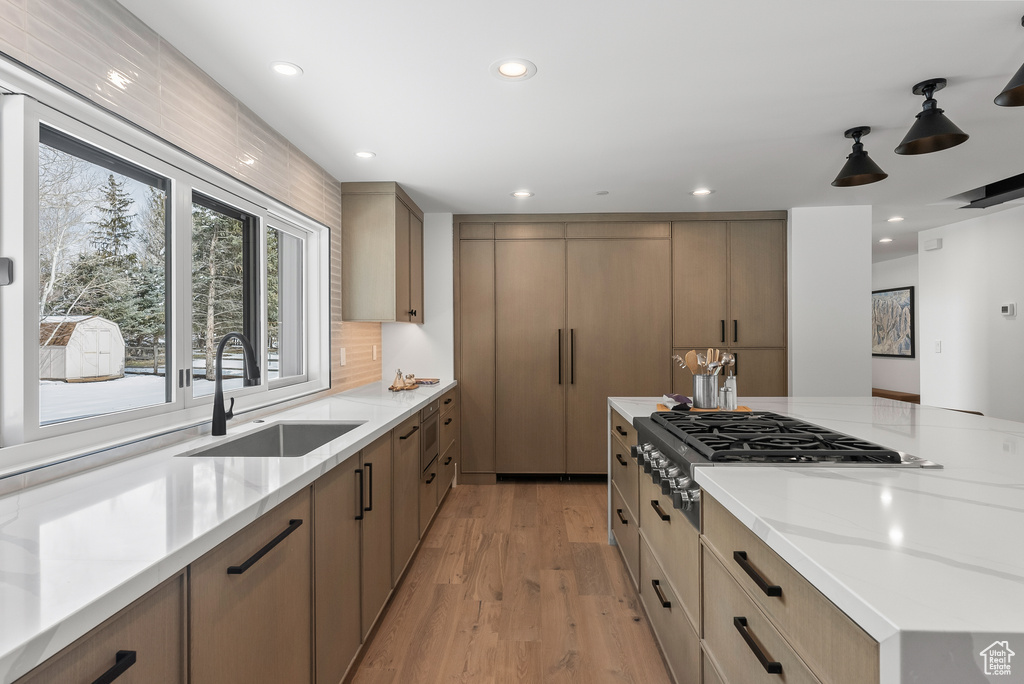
[{"x": 280, "y": 440}]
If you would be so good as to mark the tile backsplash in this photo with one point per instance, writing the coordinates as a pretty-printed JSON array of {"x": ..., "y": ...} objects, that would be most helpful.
[{"x": 100, "y": 50}]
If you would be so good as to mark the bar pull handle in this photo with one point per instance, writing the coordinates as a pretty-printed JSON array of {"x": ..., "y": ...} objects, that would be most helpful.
[
  {"x": 770, "y": 666},
  {"x": 369, "y": 476},
  {"x": 623, "y": 433},
  {"x": 449, "y": 421},
  {"x": 362, "y": 483},
  {"x": 769, "y": 589},
  {"x": 572, "y": 356},
  {"x": 657, "y": 509},
  {"x": 432, "y": 476},
  {"x": 448, "y": 401},
  {"x": 618, "y": 457},
  {"x": 665, "y": 603},
  {"x": 122, "y": 661},
  {"x": 448, "y": 460},
  {"x": 559, "y": 356},
  {"x": 415, "y": 428},
  {"x": 239, "y": 569},
  {"x": 622, "y": 518},
  {"x": 723, "y": 330},
  {"x": 735, "y": 331}
]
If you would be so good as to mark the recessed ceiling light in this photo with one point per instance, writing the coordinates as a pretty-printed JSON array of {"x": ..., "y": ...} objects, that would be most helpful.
[
  {"x": 700, "y": 192},
  {"x": 286, "y": 68},
  {"x": 522, "y": 193},
  {"x": 886, "y": 240},
  {"x": 513, "y": 69},
  {"x": 895, "y": 219},
  {"x": 366, "y": 155}
]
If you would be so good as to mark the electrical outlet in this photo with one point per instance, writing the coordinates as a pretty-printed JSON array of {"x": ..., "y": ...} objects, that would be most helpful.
[
  {"x": 938, "y": 346},
  {"x": 341, "y": 356},
  {"x": 374, "y": 352}
]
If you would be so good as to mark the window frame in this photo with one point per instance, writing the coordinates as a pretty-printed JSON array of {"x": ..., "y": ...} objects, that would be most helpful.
[{"x": 24, "y": 444}]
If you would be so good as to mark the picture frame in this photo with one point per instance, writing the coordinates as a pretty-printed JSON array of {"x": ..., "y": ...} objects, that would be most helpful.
[{"x": 892, "y": 323}]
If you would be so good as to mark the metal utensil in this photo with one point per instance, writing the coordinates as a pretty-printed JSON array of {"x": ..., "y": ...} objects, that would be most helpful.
[{"x": 702, "y": 361}]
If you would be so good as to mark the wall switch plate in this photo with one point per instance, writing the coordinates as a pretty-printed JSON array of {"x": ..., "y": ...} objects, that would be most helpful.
[
  {"x": 938, "y": 346},
  {"x": 6, "y": 271},
  {"x": 1008, "y": 309},
  {"x": 341, "y": 356}
]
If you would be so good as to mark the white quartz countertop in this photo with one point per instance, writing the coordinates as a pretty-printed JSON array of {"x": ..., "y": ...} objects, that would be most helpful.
[
  {"x": 75, "y": 551},
  {"x": 912, "y": 555}
]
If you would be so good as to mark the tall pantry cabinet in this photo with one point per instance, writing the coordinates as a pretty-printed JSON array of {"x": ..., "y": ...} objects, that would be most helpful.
[{"x": 554, "y": 318}]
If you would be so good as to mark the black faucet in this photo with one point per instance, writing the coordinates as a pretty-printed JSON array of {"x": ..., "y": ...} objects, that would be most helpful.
[{"x": 252, "y": 372}]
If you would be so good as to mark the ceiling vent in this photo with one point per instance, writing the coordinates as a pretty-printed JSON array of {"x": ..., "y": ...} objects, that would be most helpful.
[{"x": 986, "y": 196}]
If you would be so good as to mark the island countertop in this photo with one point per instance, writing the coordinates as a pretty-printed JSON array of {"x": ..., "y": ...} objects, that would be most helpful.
[
  {"x": 929, "y": 562},
  {"x": 75, "y": 551}
]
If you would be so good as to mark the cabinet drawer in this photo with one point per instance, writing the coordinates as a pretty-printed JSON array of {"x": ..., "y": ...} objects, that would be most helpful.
[
  {"x": 449, "y": 462},
  {"x": 729, "y": 614},
  {"x": 675, "y": 542},
  {"x": 627, "y": 535},
  {"x": 449, "y": 429},
  {"x": 428, "y": 494},
  {"x": 811, "y": 623},
  {"x": 450, "y": 400},
  {"x": 430, "y": 409},
  {"x": 623, "y": 428},
  {"x": 709, "y": 673},
  {"x": 675, "y": 634},
  {"x": 152, "y": 629},
  {"x": 626, "y": 474}
]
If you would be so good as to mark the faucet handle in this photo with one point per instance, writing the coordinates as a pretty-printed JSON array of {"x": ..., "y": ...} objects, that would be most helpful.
[{"x": 229, "y": 414}]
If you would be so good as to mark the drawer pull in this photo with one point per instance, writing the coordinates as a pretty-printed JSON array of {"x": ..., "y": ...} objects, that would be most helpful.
[
  {"x": 769, "y": 589},
  {"x": 447, "y": 401},
  {"x": 410, "y": 433},
  {"x": 448, "y": 422},
  {"x": 432, "y": 476},
  {"x": 448, "y": 460},
  {"x": 122, "y": 661},
  {"x": 665, "y": 603},
  {"x": 622, "y": 518},
  {"x": 770, "y": 666},
  {"x": 369, "y": 476},
  {"x": 657, "y": 509},
  {"x": 362, "y": 488},
  {"x": 618, "y": 457},
  {"x": 618, "y": 428},
  {"x": 239, "y": 569}
]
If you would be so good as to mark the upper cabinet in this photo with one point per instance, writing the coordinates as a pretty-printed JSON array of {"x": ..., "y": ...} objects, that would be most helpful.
[{"x": 382, "y": 254}]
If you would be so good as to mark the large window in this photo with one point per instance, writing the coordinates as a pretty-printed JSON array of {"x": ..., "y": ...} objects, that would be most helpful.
[
  {"x": 132, "y": 261},
  {"x": 103, "y": 324}
]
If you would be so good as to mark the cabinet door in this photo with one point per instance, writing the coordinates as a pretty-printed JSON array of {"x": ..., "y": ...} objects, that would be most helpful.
[
  {"x": 336, "y": 505},
  {"x": 415, "y": 268},
  {"x": 619, "y": 313},
  {"x": 255, "y": 626},
  {"x": 403, "y": 251},
  {"x": 406, "y": 472},
  {"x": 376, "y": 530},
  {"x": 530, "y": 342},
  {"x": 761, "y": 373},
  {"x": 476, "y": 358},
  {"x": 151, "y": 630},
  {"x": 428, "y": 494},
  {"x": 700, "y": 281},
  {"x": 757, "y": 284}
]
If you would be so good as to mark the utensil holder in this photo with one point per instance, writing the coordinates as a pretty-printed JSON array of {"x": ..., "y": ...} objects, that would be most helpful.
[{"x": 705, "y": 391}]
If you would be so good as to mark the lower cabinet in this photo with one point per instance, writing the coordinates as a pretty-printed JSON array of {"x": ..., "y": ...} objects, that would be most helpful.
[
  {"x": 143, "y": 644},
  {"x": 428, "y": 494},
  {"x": 679, "y": 642},
  {"x": 406, "y": 474},
  {"x": 627, "y": 534},
  {"x": 338, "y": 508},
  {"x": 250, "y": 617},
  {"x": 376, "y": 531}
]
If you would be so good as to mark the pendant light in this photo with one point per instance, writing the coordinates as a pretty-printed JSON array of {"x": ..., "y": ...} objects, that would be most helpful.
[
  {"x": 858, "y": 169},
  {"x": 932, "y": 131},
  {"x": 1013, "y": 93}
]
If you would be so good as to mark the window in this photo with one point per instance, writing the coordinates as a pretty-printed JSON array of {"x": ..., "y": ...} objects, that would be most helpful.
[{"x": 132, "y": 261}]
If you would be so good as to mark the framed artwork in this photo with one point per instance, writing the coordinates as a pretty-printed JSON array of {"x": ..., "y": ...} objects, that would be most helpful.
[{"x": 892, "y": 323}]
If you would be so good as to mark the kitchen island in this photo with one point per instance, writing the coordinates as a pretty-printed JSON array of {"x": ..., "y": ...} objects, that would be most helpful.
[
  {"x": 929, "y": 563},
  {"x": 76, "y": 551}
]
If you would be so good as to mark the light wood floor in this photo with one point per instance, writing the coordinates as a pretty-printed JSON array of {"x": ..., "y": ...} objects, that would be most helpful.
[{"x": 516, "y": 582}]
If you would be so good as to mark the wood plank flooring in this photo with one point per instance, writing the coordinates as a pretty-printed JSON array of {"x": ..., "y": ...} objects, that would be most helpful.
[{"x": 516, "y": 582}]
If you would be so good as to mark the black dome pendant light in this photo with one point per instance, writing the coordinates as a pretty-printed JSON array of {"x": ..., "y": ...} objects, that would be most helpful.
[
  {"x": 932, "y": 131},
  {"x": 1013, "y": 93},
  {"x": 858, "y": 169}
]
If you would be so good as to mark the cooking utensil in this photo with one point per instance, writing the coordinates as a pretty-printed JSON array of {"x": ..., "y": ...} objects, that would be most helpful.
[
  {"x": 702, "y": 361},
  {"x": 691, "y": 362}
]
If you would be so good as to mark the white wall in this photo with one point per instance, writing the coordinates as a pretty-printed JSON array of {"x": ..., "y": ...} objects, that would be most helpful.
[
  {"x": 427, "y": 350},
  {"x": 902, "y": 375},
  {"x": 981, "y": 365},
  {"x": 830, "y": 301}
]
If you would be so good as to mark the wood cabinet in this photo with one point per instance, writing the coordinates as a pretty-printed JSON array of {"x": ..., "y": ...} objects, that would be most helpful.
[
  {"x": 450, "y": 441},
  {"x": 475, "y": 360},
  {"x": 759, "y": 372},
  {"x": 679, "y": 642},
  {"x": 406, "y": 491},
  {"x": 428, "y": 495},
  {"x": 145, "y": 642},
  {"x": 338, "y": 509},
  {"x": 382, "y": 254},
  {"x": 250, "y": 615},
  {"x": 376, "y": 531}
]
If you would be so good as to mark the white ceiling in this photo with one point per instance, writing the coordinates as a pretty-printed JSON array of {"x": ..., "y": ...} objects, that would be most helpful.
[{"x": 646, "y": 99}]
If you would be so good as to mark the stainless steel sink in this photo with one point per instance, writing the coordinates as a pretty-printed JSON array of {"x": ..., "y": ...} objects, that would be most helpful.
[{"x": 280, "y": 440}]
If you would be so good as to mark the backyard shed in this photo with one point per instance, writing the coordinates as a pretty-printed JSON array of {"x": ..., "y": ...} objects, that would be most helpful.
[{"x": 80, "y": 349}]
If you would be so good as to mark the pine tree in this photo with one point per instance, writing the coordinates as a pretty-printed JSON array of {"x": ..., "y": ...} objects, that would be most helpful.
[{"x": 113, "y": 236}]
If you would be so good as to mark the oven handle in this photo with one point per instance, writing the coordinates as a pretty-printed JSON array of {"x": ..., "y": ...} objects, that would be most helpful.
[{"x": 769, "y": 589}]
